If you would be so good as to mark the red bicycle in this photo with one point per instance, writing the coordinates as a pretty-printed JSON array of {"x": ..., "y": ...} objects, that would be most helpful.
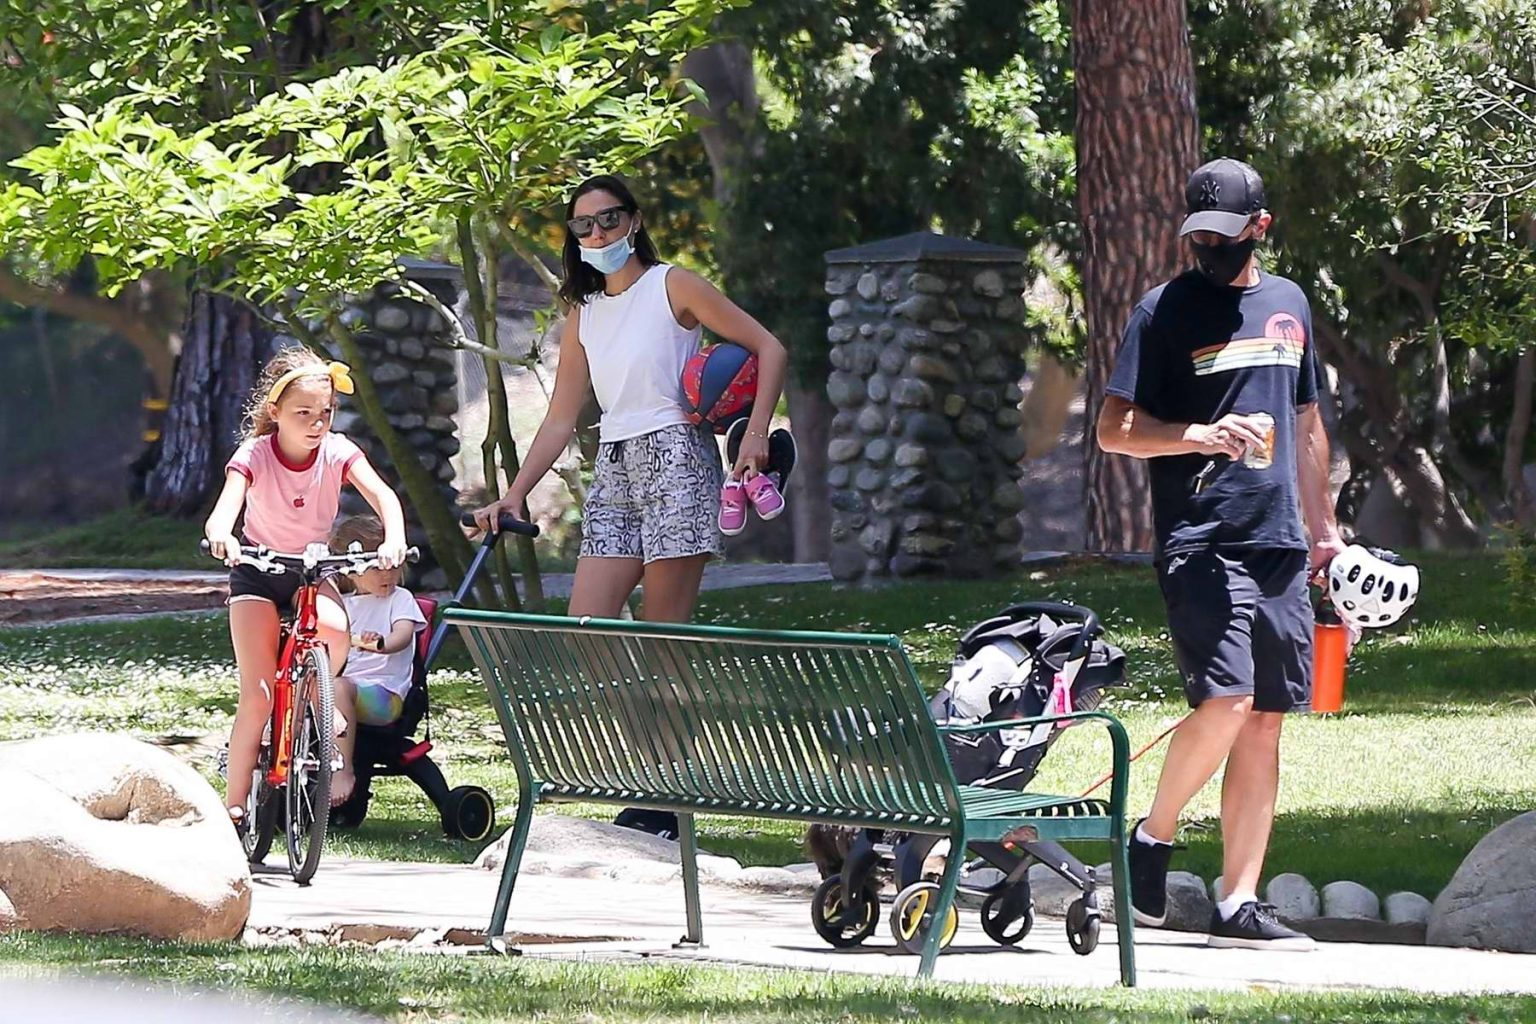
[{"x": 291, "y": 782}]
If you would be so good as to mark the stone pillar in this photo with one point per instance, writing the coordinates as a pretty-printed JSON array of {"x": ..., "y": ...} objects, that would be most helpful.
[
  {"x": 405, "y": 344},
  {"x": 927, "y": 341}
]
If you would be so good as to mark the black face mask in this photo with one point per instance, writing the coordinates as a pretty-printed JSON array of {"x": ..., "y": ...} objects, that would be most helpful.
[{"x": 1222, "y": 263}]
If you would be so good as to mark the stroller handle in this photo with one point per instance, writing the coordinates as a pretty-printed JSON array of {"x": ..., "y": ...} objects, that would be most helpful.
[
  {"x": 504, "y": 524},
  {"x": 1071, "y": 613}
]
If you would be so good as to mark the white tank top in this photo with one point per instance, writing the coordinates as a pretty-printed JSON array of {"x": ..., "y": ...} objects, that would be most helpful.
[{"x": 636, "y": 351}]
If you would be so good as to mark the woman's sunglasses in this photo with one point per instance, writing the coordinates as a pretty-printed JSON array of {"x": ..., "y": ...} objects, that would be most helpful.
[{"x": 607, "y": 219}]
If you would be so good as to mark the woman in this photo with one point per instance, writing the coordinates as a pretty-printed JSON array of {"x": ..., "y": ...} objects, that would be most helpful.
[{"x": 634, "y": 321}]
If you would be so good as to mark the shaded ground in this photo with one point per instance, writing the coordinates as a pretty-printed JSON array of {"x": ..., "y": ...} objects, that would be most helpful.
[{"x": 34, "y": 597}]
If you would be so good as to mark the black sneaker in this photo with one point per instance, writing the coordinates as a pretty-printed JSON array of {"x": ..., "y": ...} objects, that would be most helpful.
[
  {"x": 1255, "y": 926},
  {"x": 781, "y": 455},
  {"x": 1149, "y": 881}
]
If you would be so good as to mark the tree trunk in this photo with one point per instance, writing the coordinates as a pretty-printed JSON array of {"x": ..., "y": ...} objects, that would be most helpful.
[
  {"x": 724, "y": 71},
  {"x": 810, "y": 413},
  {"x": 1515, "y": 492},
  {"x": 224, "y": 346},
  {"x": 1137, "y": 141}
]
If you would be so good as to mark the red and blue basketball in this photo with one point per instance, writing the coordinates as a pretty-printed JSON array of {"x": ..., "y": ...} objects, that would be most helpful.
[{"x": 719, "y": 385}]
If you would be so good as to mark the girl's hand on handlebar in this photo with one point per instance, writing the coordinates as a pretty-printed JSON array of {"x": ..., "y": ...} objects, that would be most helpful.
[{"x": 225, "y": 548}]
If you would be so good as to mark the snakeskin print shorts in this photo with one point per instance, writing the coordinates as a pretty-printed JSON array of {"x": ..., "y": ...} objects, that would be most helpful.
[{"x": 655, "y": 496}]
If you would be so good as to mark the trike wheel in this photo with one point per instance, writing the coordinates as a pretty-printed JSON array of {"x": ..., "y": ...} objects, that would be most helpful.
[
  {"x": 840, "y": 925},
  {"x": 912, "y": 915},
  {"x": 469, "y": 813},
  {"x": 311, "y": 760}
]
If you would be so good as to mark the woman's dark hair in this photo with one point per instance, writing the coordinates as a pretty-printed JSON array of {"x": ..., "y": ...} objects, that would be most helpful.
[{"x": 581, "y": 280}]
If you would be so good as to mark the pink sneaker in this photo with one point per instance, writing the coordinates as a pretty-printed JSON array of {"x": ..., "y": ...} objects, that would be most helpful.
[
  {"x": 733, "y": 507},
  {"x": 764, "y": 492}
]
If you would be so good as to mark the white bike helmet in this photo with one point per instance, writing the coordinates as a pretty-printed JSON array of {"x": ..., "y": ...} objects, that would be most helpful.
[{"x": 1371, "y": 586}]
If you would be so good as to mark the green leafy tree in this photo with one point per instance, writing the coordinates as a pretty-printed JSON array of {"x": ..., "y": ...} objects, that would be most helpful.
[{"x": 462, "y": 141}]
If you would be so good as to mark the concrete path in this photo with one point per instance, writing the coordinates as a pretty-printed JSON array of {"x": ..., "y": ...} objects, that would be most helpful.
[{"x": 591, "y": 919}]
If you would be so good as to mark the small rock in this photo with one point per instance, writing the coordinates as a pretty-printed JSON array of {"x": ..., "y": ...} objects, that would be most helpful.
[
  {"x": 390, "y": 373},
  {"x": 871, "y": 420},
  {"x": 844, "y": 449},
  {"x": 954, "y": 405},
  {"x": 972, "y": 426},
  {"x": 1350, "y": 900},
  {"x": 1294, "y": 898},
  {"x": 877, "y": 389},
  {"x": 392, "y": 317},
  {"x": 946, "y": 326},
  {"x": 839, "y": 308},
  {"x": 1407, "y": 908},
  {"x": 917, "y": 308},
  {"x": 410, "y": 348},
  {"x": 837, "y": 334},
  {"x": 845, "y": 390},
  {"x": 869, "y": 479},
  {"x": 928, "y": 284},
  {"x": 911, "y": 455},
  {"x": 838, "y": 476},
  {"x": 1008, "y": 496},
  {"x": 892, "y": 359},
  {"x": 877, "y": 451},
  {"x": 929, "y": 368},
  {"x": 868, "y": 286},
  {"x": 912, "y": 394},
  {"x": 988, "y": 283}
]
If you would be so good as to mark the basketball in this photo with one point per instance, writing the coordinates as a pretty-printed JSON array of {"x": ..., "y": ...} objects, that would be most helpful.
[{"x": 719, "y": 386}]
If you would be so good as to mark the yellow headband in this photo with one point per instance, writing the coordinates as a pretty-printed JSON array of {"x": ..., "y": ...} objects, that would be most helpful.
[{"x": 340, "y": 374}]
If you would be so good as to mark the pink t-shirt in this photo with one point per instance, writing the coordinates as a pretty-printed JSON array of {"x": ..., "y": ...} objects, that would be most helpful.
[{"x": 289, "y": 505}]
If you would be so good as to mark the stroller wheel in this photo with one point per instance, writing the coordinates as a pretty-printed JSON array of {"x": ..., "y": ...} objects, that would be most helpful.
[
  {"x": 842, "y": 926},
  {"x": 1001, "y": 918},
  {"x": 1082, "y": 928},
  {"x": 912, "y": 916},
  {"x": 468, "y": 813}
]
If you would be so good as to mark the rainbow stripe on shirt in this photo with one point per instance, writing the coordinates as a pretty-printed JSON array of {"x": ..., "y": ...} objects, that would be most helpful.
[{"x": 1243, "y": 353}]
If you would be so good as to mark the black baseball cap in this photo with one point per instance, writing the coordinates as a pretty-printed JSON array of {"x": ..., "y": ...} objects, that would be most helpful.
[{"x": 1222, "y": 196}]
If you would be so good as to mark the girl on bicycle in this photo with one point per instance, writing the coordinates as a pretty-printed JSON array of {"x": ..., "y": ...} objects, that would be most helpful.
[{"x": 287, "y": 477}]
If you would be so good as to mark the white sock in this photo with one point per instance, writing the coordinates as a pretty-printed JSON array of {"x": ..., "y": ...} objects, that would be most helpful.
[
  {"x": 1145, "y": 839},
  {"x": 1229, "y": 906}
]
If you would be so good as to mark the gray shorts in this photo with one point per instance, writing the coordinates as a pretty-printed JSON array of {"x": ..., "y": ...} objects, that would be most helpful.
[{"x": 655, "y": 496}]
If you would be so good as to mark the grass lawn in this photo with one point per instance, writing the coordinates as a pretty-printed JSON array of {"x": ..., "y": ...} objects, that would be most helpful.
[
  {"x": 1436, "y": 746},
  {"x": 416, "y": 988},
  {"x": 129, "y": 538}
]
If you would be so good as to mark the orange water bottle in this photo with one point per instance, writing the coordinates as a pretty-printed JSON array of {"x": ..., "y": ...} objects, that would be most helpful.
[{"x": 1330, "y": 651}]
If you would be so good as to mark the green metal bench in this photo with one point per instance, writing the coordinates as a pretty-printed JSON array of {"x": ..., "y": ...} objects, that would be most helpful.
[{"x": 814, "y": 727}]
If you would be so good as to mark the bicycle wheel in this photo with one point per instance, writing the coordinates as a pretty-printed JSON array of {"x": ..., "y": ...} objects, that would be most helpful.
[
  {"x": 312, "y": 756},
  {"x": 262, "y": 808}
]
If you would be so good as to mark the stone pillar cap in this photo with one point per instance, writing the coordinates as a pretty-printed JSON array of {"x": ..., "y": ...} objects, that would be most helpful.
[{"x": 920, "y": 245}]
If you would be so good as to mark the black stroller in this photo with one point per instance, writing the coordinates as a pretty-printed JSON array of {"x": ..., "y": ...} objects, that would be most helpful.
[
  {"x": 467, "y": 812},
  {"x": 1030, "y": 659}
]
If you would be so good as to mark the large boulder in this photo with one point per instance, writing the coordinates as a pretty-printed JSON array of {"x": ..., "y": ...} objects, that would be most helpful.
[
  {"x": 104, "y": 833},
  {"x": 1491, "y": 901}
]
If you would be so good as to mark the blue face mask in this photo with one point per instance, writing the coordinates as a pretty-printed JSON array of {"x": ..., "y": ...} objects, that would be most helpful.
[{"x": 610, "y": 257}]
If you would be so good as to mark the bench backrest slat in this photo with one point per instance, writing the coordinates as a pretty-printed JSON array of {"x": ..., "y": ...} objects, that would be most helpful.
[{"x": 831, "y": 726}]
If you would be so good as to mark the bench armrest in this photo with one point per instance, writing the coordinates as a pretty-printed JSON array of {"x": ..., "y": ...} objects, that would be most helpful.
[{"x": 1120, "y": 745}]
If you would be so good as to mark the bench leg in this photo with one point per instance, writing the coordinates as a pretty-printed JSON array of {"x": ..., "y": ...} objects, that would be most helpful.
[
  {"x": 523, "y": 824},
  {"x": 687, "y": 841},
  {"x": 947, "y": 886},
  {"x": 1124, "y": 922}
]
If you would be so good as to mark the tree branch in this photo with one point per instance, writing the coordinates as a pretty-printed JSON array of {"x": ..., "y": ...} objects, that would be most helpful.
[{"x": 151, "y": 342}]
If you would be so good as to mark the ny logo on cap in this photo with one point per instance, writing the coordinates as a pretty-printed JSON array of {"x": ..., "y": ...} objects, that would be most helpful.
[{"x": 1210, "y": 193}]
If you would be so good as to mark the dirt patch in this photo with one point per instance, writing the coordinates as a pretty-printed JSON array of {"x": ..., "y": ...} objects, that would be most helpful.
[{"x": 32, "y": 597}]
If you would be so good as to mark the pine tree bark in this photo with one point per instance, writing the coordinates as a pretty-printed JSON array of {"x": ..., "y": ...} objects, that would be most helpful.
[
  {"x": 1137, "y": 141},
  {"x": 224, "y": 346}
]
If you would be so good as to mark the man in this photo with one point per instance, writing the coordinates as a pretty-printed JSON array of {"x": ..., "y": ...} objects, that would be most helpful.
[{"x": 1216, "y": 385}]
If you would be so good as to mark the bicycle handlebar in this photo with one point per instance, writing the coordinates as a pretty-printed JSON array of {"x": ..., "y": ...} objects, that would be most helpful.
[
  {"x": 317, "y": 560},
  {"x": 505, "y": 523}
]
